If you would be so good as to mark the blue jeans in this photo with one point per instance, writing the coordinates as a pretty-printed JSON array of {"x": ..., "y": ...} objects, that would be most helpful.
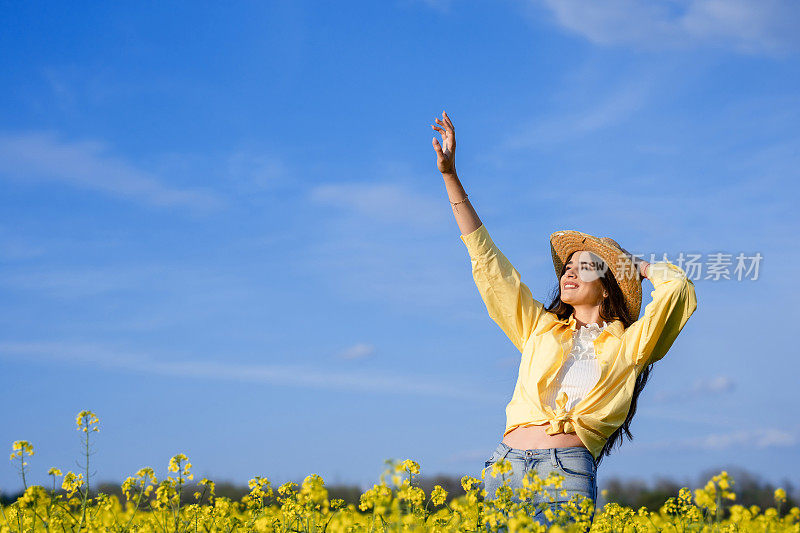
[{"x": 575, "y": 463}]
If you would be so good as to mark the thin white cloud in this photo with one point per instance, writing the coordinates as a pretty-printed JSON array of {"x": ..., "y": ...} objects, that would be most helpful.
[
  {"x": 383, "y": 202},
  {"x": 358, "y": 351},
  {"x": 746, "y": 26},
  {"x": 13, "y": 248},
  {"x": 757, "y": 438},
  {"x": 77, "y": 283},
  {"x": 42, "y": 156},
  {"x": 750, "y": 179},
  {"x": 441, "y": 5},
  {"x": 687, "y": 415},
  {"x": 389, "y": 244},
  {"x": 610, "y": 110},
  {"x": 255, "y": 171},
  {"x": 748, "y": 438},
  {"x": 62, "y": 91},
  {"x": 391, "y": 266},
  {"x": 702, "y": 387},
  {"x": 283, "y": 375}
]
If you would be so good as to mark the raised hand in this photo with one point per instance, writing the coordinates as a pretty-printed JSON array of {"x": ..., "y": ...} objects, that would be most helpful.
[
  {"x": 641, "y": 264},
  {"x": 445, "y": 158}
]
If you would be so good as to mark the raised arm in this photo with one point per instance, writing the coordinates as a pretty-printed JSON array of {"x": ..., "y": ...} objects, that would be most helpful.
[
  {"x": 466, "y": 217},
  {"x": 508, "y": 300},
  {"x": 648, "y": 339}
]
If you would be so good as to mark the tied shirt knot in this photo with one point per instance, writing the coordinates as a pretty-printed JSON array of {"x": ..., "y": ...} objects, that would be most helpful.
[{"x": 561, "y": 421}]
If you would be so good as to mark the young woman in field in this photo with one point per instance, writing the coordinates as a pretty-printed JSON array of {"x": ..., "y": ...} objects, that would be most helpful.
[{"x": 585, "y": 357}]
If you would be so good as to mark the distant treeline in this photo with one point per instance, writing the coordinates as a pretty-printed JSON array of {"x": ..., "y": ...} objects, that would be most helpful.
[
  {"x": 749, "y": 489},
  {"x": 634, "y": 493}
]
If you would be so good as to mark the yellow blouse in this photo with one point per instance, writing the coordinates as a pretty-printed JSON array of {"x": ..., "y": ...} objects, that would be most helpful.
[{"x": 545, "y": 341}]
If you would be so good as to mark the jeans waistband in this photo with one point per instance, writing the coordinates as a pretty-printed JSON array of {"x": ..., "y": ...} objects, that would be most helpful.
[{"x": 541, "y": 453}]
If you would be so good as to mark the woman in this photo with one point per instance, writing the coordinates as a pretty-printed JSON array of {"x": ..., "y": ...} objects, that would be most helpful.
[{"x": 585, "y": 358}]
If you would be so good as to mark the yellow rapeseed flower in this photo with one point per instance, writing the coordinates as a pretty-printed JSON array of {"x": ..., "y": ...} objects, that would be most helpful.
[
  {"x": 780, "y": 495},
  {"x": 503, "y": 466},
  {"x": 21, "y": 446},
  {"x": 439, "y": 495},
  {"x": 85, "y": 420},
  {"x": 313, "y": 490},
  {"x": 467, "y": 482},
  {"x": 72, "y": 483},
  {"x": 412, "y": 467},
  {"x": 286, "y": 488},
  {"x": 174, "y": 462}
]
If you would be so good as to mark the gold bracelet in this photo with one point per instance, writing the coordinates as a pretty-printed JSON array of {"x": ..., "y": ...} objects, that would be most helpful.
[{"x": 460, "y": 201}]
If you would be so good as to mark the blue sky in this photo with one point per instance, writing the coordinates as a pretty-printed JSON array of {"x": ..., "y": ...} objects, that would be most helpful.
[{"x": 222, "y": 228}]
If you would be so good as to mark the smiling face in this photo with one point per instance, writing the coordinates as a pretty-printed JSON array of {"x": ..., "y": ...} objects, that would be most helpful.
[{"x": 580, "y": 283}]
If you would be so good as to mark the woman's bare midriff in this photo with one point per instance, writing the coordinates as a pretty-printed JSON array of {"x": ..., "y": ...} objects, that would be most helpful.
[{"x": 531, "y": 437}]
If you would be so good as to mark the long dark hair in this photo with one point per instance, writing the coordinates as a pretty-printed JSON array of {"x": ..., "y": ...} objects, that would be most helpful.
[{"x": 612, "y": 308}]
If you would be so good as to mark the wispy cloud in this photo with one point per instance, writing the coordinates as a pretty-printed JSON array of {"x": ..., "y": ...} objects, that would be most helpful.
[
  {"x": 441, "y": 5},
  {"x": 756, "y": 438},
  {"x": 389, "y": 244},
  {"x": 686, "y": 415},
  {"x": 94, "y": 280},
  {"x": 254, "y": 171},
  {"x": 282, "y": 375},
  {"x": 556, "y": 128},
  {"x": 748, "y": 438},
  {"x": 743, "y": 210},
  {"x": 392, "y": 267},
  {"x": 357, "y": 351},
  {"x": 578, "y": 114},
  {"x": 62, "y": 91},
  {"x": 13, "y": 248},
  {"x": 42, "y": 156},
  {"x": 702, "y": 387},
  {"x": 746, "y": 26},
  {"x": 385, "y": 202}
]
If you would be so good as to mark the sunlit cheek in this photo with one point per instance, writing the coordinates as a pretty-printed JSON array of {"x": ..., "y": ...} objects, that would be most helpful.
[{"x": 588, "y": 276}]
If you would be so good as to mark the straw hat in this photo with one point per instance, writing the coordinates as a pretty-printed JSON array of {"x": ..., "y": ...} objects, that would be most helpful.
[{"x": 626, "y": 272}]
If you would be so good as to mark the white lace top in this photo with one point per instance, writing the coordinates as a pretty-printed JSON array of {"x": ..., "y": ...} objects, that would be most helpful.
[{"x": 580, "y": 371}]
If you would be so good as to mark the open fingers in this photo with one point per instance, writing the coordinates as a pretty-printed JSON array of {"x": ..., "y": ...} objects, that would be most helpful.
[
  {"x": 447, "y": 127},
  {"x": 437, "y": 128},
  {"x": 449, "y": 122}
]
